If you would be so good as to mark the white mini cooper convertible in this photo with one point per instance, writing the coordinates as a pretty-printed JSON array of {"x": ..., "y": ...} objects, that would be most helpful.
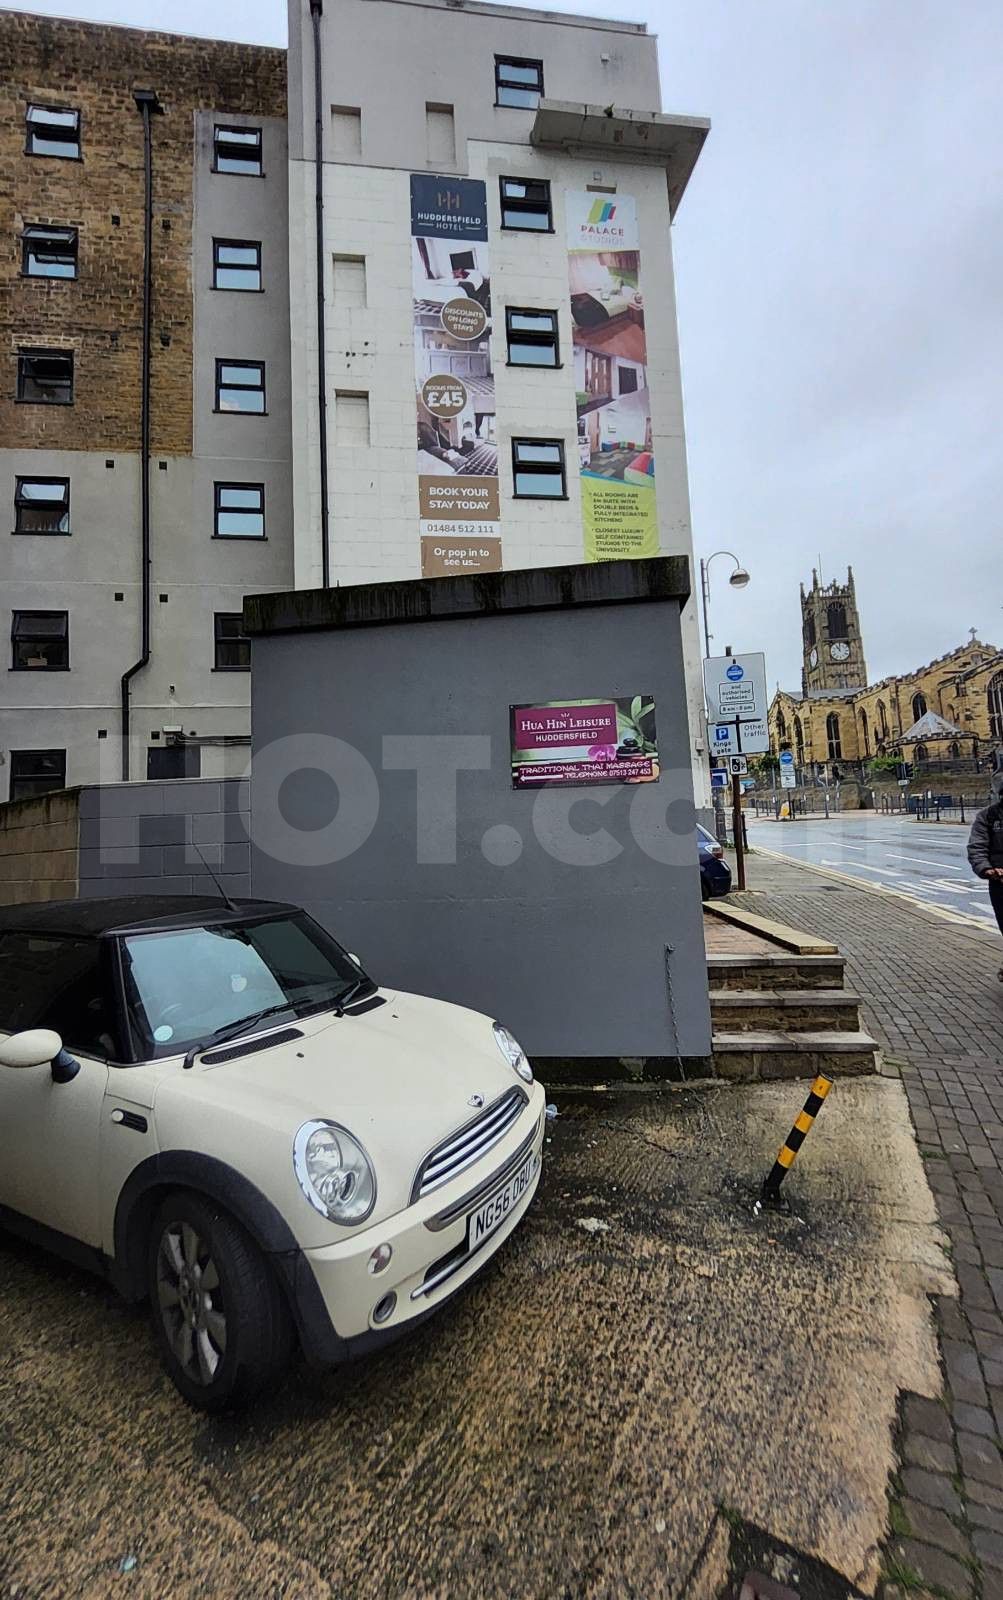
[{"x": 216, "y": 1108}]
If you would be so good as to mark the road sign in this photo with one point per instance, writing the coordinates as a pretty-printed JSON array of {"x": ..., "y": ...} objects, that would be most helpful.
[
  {"x": 736, "y": 686},
  {"x": 737, "y": 766},
  {"x": 718, "y": 778},
  {"x": 788, "y": 778},
  {"x": 786, "y": 759},
  {"x": 731, "y": 739}
]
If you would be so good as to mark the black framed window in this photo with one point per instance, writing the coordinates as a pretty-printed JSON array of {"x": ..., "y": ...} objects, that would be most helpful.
[
  {"x": 236, "y": 264},
  {"x": 53, "y": 131},
  {"x": 233, "y": 649},
  {"x": 538, "y": 469},
  {"x": 532, "y": 338},
  {"x": 240, "y": 386},
  {"x": 239, "y": 511},
  {"x": 48, "y": 252},
  {"x": 35, "y": 772},
  {"x": 525, "y": 205},
  {"x": 41, "y": 505},
  {"x": 41, "y": 641},
  {"x": 237, "y": 150},
  {"x": 518, "y": 82},
  {"x": 45, "y": 377}
]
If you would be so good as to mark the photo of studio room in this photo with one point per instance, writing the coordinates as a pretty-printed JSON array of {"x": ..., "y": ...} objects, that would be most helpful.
[{"x": 614, "y": 410}]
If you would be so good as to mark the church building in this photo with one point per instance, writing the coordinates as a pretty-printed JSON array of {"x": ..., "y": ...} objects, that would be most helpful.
[{"x": 950, "y": 711}]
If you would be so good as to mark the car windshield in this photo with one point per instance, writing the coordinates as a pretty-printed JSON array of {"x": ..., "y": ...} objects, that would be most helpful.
[
  {"x": 184, "y": 985},
  {"x": 705, "y": 840}
]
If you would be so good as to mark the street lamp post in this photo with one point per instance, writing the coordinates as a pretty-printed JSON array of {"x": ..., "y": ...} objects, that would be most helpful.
[{"x": 738, "y": 580}]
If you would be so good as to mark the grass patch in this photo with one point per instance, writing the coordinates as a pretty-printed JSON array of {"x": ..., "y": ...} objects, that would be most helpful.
[{"x": 898, "y": 1522}]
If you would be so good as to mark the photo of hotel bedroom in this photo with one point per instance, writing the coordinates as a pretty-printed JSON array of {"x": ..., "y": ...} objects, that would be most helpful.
[
  {"x": 610, "y": 352},
  {"x": 453, "y": 378}
]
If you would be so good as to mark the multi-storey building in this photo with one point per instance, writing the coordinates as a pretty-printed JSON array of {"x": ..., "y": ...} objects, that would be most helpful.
[
  {"x": 486, "y": 365},
  {"x": 144, "y": 396}
]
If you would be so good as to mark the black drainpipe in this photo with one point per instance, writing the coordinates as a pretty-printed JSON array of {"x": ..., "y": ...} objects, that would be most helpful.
[
  {"x": 316, "y": 12},
  {"x": 148, "y": 105}
]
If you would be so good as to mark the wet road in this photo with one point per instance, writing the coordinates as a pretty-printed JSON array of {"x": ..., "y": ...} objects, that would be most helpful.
[{"x": 925, "y": 861}]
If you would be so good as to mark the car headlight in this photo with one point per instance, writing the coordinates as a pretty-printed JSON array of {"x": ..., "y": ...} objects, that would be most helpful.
[
  {"x": 334, "y": 1173},
  {"x": 513, "y": 1052}
]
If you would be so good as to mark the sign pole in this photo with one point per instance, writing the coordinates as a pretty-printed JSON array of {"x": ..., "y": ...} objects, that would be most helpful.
[{"x": 736, "y": 806}]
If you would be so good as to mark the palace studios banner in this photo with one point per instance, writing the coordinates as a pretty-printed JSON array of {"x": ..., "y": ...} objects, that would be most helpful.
[
  {"x": 616, "y": 461},
  {"x": 454, "y": 382}
]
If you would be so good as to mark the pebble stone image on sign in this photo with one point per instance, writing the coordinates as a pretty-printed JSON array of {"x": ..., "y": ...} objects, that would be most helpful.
[{"x": 584, "y": 741}]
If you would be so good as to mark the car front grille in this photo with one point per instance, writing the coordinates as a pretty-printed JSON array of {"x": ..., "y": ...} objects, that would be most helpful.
[{"x": 469, "y": 1144}]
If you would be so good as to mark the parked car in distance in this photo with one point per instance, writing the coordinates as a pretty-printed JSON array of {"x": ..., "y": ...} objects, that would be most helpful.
[
  {"x": 213, "y": 1105},
  {"x": 715, "y": 873}
]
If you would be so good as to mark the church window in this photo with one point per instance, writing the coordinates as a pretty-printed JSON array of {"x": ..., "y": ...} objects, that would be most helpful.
[
  {"x": 837, "y": 620},
  {"x": 864, "y": 734},
  {"x": 883, "y": 719},
  {"x": 918, "y": 707},
  {"x": 954, "y": 750},
  {"x": 809, "y": 628},
  {"x": 995, "y": 693},
  {"x": 799, "y": 740},
  {"x": 920, "y": 753},
  {"x": 832, "y": 735}
]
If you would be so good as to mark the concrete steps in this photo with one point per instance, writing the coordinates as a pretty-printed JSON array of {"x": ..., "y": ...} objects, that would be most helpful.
[
  {"x": 775, "y": 972},
  {"x": 784, "y": 1010}
]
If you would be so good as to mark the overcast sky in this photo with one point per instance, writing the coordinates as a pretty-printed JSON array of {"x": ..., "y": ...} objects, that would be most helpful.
[{"x": 839, "y": 258}]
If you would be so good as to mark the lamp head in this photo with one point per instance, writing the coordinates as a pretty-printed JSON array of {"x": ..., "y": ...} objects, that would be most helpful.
[{"x": 739, "y": 578}]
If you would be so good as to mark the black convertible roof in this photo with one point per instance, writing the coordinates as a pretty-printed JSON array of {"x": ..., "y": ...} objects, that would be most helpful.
[{"x": 91, "y": 918}]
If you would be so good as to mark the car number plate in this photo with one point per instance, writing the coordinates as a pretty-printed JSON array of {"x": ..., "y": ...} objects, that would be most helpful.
[{"x": 493, "y": 1212}]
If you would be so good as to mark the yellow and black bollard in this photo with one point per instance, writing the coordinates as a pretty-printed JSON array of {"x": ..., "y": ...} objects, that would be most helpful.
[{"x": 795, "y": 1139}]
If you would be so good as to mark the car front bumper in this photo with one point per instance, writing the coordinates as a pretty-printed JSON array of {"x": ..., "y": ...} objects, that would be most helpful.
[{"x": 336, "y": 1294}]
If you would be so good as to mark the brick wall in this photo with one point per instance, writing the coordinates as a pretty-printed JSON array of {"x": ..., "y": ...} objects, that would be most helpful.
[
  {"x": 95, "y": 69},
  {"x": 38, "y": 848}
]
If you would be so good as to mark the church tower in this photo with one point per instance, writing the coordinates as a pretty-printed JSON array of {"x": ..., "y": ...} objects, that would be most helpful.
[{"x": 833, "y": 648}]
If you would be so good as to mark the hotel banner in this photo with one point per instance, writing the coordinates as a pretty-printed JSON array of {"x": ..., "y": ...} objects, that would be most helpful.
[
  {"x": 615, "y": 457},
  {"x": 454, "y": 381}
]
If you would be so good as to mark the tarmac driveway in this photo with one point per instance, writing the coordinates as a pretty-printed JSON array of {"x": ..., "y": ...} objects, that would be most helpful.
[{"x": 643, "y": 1371}]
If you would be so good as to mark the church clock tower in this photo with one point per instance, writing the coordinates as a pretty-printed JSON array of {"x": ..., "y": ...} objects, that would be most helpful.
[{"x": 833, "y": 648}]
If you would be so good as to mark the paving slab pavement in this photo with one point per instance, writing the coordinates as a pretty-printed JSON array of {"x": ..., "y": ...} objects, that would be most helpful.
[
  {"x": 644, "y": 1378},
  {"x": 931, "y": 996}
]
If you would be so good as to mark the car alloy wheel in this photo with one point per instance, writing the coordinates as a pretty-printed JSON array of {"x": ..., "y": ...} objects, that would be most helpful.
[{"x": 191, "y": 1302}]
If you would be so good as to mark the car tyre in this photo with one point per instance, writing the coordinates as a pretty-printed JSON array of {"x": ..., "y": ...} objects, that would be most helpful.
[{"x": 219, "y": 1318}]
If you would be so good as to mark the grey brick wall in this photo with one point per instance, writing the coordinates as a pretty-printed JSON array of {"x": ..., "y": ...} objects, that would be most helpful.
[{"x": 139, "y": 838}]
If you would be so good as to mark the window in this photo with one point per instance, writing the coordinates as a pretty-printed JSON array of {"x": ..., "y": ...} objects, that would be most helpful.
[
  {"x": 45, "y": 377},
  {"x": 883, "y": 718},
  {"x": 809, "y": 629},
  {"x": 41, "y": 641},
  {"x": 538, "y": 469},
  {"x": 781, "y": 727},
  {"x": 41, "y": 505},
  {"x": 799, "y": 740},
  {"x": 236, "y": 264},
  {"x": 518, "y": 83},
  {"x": 240, "y": 386},
  {"x": 233, "y": 650},
  {"x": 532, "y": 338},
  {"x": 440, "y": 135},
  {"x": 864, "y": 733},
  {"x": 351, "y": 419},
  {"x": 918, "y": 706},
  {"x": 35, "y": 772},
  {"x": 994, "y": 693},
  {"x": 53, "y": 131},
  {"x": 239, "y": 511},
  {"x": 833, "y": 736},
  {"x": 525, "y": 204},
  {"x": 48, "y": 252},
  {"x": 237, "y": 150},
  {"x": 349, "y": 280},
  {"x": 920, "y": 753},
  {"x": 954, "y": 750},
  {"x": 346, "y": 132},
  {"x": 837, "y": 620}
]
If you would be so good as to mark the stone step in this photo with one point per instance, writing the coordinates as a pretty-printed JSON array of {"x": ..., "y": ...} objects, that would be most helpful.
[
  {"x": 785, "y": 1010},
  {"x": 764, "y": 1054},
  {"x": 775, "y": 972}
]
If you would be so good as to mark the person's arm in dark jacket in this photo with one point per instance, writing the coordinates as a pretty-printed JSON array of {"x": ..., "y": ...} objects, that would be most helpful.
[{"x": 978, "y": 845}]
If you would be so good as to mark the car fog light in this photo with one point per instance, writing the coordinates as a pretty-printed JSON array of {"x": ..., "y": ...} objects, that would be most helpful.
[
  {"x": 385, "y": 1308},
  {"x": 380, "y": 1258}
]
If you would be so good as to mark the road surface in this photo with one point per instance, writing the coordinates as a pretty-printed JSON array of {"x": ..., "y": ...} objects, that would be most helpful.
[{"x": 925, "y": 861}]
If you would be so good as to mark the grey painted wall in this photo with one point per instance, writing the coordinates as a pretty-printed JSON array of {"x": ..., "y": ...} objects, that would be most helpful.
[
  {"x": 135, "y": 838},
  {"x": 571, "y": 956}
]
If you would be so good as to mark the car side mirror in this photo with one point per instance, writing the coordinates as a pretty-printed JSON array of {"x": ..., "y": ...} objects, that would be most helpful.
[
  {"x": 33, "y": 1048},
  {"x": 353, "y": 957}
]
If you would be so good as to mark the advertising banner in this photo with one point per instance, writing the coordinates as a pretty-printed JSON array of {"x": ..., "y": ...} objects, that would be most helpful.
[
  {"x": 454, "y": 383},
  {"x": 615, "y": 456},
  {"x": 584, "y": 741}
]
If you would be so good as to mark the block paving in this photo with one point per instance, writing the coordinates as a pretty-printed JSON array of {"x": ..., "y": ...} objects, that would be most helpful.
[{"x": 931, "y": 997}]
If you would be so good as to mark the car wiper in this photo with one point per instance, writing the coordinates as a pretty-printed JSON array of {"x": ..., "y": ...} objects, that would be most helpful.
[
  {"x": 348, "y": 995},
  {"x": 233, "y": 1030}
]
